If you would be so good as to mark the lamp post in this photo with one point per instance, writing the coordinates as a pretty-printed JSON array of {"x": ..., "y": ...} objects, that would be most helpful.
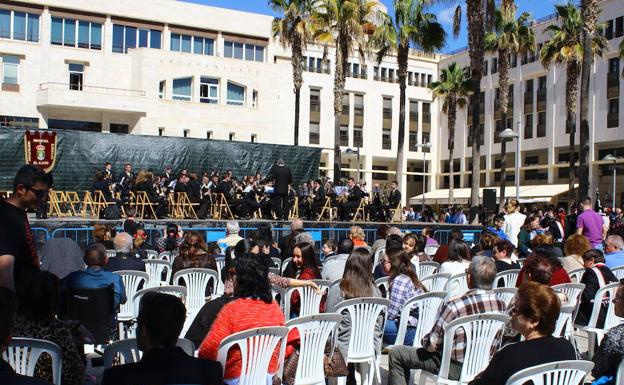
[
  {"x": 611, "y": 158},
  {"x": 508, "y": 133},
  {"x": 423, "y": 146},
  {"x": 357, "y": 154}
]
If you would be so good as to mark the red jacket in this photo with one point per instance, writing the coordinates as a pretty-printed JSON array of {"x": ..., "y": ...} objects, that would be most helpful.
[{"x": 559, "y": 276}]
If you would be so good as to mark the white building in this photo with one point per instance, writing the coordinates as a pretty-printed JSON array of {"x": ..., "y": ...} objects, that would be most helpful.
[{"x": 165, "y": 67}]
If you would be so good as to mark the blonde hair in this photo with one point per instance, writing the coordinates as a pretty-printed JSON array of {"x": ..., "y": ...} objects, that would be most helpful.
[
  {"x": 356, "y": 232},
  {"x": 144, "y": 176},
  {"x": 512, "y": 206}
]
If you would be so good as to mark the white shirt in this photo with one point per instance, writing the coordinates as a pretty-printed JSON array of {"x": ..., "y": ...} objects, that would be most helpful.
[{"x": 513, "y": 224}]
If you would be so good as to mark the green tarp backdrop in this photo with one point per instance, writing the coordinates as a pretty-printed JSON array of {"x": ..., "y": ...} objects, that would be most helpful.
[{"x": 80, "y": 154}]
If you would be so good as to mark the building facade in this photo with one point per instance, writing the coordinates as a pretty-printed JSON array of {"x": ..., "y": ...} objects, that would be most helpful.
[{"x": 165, "y": 67}]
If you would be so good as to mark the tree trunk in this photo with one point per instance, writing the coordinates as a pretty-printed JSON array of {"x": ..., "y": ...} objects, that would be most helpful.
[
  {"x": 342, "y": 55},
  {"x": 589, "y": 11},
  {"x": 572, "y": 73},
  {"x": 297, "y": 100},
  {"x": 503, "y": 82},
  {"x": 297, "y": 67},
  {"x": 503, "y": 174},
  {"x": 476, "y": 30},
  {"x": 452, "y": 116},
  {"x": 402, "y": 72}
]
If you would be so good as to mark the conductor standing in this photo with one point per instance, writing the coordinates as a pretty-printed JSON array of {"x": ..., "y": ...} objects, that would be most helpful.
[{"x": 282, "y": 177}]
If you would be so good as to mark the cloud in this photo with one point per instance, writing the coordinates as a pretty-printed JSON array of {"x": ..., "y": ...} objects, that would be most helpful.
[{"x": 446, "y": 15}]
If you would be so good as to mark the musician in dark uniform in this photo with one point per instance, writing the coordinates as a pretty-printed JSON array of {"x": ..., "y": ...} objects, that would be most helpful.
[
  {"x": 225, "y": 187},
  {"x": 282, "y": 177},
  {"x": 205, "y": 195},
  {"x": 394, "y": 198},
  {"x": 182, "y": 185},
  {"x": 108, "y": 172},
  {"x": 375, "y": 208},
  {"x": 354, "y": 196},
  {"x": 318, "y": 198},
  {"x": 126, "y": 182}
]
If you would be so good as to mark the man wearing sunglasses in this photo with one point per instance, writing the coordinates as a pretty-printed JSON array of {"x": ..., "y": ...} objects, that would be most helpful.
[{"x": 18, "y": 255}]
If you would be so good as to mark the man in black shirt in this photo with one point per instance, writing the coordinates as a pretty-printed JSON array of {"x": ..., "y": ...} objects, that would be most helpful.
[
  {"x": 18, "y": 255},
  {"x": 282, "y": 177},
  {"x": 354, "y": 197},
  {"x": 125, "y": 259},
  {"x": 394, "y": 198},
  {"x": 160, "y": 321}
]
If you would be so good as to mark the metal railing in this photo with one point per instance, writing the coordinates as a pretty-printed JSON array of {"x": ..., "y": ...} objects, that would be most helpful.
[{"x": 92, "y": 89}]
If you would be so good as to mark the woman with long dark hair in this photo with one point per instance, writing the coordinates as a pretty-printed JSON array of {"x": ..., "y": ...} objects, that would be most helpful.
[
  {"x": 404, "y": 284},
  {"x": 174, "y": 236},
  {"x": 304, "y": 261},
  {"x": 194, "y": 253}
]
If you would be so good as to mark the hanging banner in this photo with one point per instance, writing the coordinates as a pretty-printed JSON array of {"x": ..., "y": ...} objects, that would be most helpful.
[{"x": 40, "y": 149}]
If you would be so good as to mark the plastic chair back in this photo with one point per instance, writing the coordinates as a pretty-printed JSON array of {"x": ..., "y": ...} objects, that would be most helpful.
[
  {"x": 508, "y": 278},
  {"x": 428, "y": 306},
  {"x": 133, "y": 280},
  {"x": 505, "y": 294},
  {"x": 22, "y": 355},
  {"x": 155, "y": 269},
  {"x": 285, "y": 264},
  {"x": 572, "y": 291},
  {"x": 436, "y": 282},
  {"x": 151, "y": 254},
  {"x": 313, "y": 333},
  {"x": 256, "y": 347},
  {"x": 426, "y": 269},
  {"x": 576, "y": 275},
  {"x": 564, "y": 325},
  {"x": 457, "y": 285},
  {"x": 431, "y": 249},
  {"x": 168, "y": 256},
  {"x": 220, "y": 266},
  {"x": 196, "y": 281},
  {"x": 178, "y": 291},
  {"x": 111, "y": 253},
  {"x": 553, "y": 373},
  {"x": 364, "y": 313},
  {"x": 378, "y": 253},
  {"x": 127, "y": 351},
  {"x": 310, "y": 301},
  {"x": 383, "y": 285},
  {"x": 618, "y": 272},
  {"x": 277, "y": 262},
  {"x": 619, "y": 376}
]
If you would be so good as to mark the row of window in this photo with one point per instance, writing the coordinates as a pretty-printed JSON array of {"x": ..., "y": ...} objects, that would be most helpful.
[
  {"x": 391, "y": 75},
  {"x": 126, "y": 37},
  {"x": 614, "y": 28},
  {"x": 243, "y": 51},
  {"x": 316, "y": 64},
  {"x": 195, "y": 44},
  {"x": 208, "y": 91},
  {"x": 19, "y": 25},
  {"x": 76, "y": 33}
]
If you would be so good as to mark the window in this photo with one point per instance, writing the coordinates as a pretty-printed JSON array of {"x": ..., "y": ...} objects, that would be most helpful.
[
  {"x": 315, "y": 116},
  {"x": 494, "y": 65},
  {"x": 528, "y": 126},
  {"x": 380, "y": 175},
  {"x": 235, "y": 94},
  {"x": 5, "y": 24},
  {"x": 245, "y": 51},
  {"x": 358, "y": 136},
  {"x": 10, "y": 70},
  {"x": 232, "y": 136},
  {"x": 186, "y": 132},
  {"x": 76, "y": 74},
  {"x": 208, "y": 134},
  {"x": 18, "y": 122},
  {"x": 116, "y": 128},
  {"x": 541, "y": 124},
  {"x": 613, "y": 113},
  {"x": 162, "y": 85},
  {"x": 386, "y": 139},
  {"x": 25, "y": 25},
  {"x": 126, "y": 37},
  {"x": 386, "y": 133},
  {"x": 182, "y": 89},
  {"x": 161, "y": 131},
  {"x": 209, "y": 90},
  {"x": 608, "y": 32},
  {"x": 254, "y": 138},
  {"x": 254, "y": 99},
  {"x": 314, "y": 133},
  {"x": 196, "y": 44},
  {"x": 75, "y": 125},
  {"x": 619, "y": 27},
  {"x": 413, "y": 125},
  {"x": 344, "y": 135}
]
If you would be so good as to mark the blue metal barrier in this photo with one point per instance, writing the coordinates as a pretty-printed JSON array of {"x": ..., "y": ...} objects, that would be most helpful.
[{"x": 40, "y": 236}]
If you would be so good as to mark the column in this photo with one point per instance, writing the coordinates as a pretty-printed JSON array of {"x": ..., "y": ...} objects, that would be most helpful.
[
  {"x": 108, "y": 35},
  {"x": 166, "y": 38},
  {"x": 368, "y": 174}
]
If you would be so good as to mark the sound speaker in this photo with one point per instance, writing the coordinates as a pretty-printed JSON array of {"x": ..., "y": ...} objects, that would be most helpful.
[{"x": 489, "y": 199}]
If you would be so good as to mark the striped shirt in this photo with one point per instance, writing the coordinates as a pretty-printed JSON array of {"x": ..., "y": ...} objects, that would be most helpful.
[{"x": 475, "y": 301}]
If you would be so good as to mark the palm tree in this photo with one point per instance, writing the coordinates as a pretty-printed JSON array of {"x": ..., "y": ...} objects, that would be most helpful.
[
  {"x": 411, "y": 25},
  {"x": 621, "y": 49},
  {"x": 509, "y": 37},
  {"x": 454, "y": 87},
  {"x": 566, "y": 48},
  {"x": 294, "y": 31},
  {"x": 344, "y": 23}
]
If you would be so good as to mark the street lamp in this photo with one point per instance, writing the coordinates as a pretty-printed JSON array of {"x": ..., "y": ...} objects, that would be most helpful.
[
  {"x": 611, "y": 158},
  {"x": 423, "y": 146},
  {"x": 508, "y": 133},
  {"x": 355, "y": 152}
]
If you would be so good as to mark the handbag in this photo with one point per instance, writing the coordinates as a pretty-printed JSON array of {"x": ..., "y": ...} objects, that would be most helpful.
[
  {"x": 334, "y": 363},
  {"x": 290, "y": 368}
]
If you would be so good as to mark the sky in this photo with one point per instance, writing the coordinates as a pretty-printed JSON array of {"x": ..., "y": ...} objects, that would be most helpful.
[{"x": 444, "y": 10}]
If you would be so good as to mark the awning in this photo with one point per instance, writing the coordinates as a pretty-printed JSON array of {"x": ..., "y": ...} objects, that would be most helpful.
[{"x": 528, "y": 194}]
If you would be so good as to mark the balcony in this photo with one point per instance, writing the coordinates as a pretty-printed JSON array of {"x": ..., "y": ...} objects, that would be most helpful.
[{"x": 91, "y": 98}]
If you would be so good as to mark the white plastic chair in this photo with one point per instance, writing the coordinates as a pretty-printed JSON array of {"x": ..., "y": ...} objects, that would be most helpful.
[
  {"x": 521, "y": 262},
  {"x": 457, "y": 285},
  {"x": 553, "y": 373},
  {"x": 572, "y": 291},
  {"x": 155, "y": 270},
  {"x": 256, "y": 347},
  {"x": 111, "y": 253},
  {"x": 436, "y": 282},
  {"x": 428, "y": 305},
  {"x": 564, "y": 326},
  {"x": 132, "y": 281},
  {"x": 196, "y": 280},
  {"x": 285, "y": 264},
  {"x": 576, "y": 275},
  {"x": 309, "y": 300},
  {"x": 618, "y": 272},
  {"x": 483, "y": 333},
  {"x": 151, "y": 254},
  {"x": 509, "y": 277},
  {"x": 431, "y": 249},
  {"x": 364, "y": 313},
  {"x": 425, "y": 269},
  {"x": 313, "y": 331},
  {"x": 596, "y": 334},
  {"x": 619, "y": 376},
  {"x": 377, "y": 256},
  {"x": 178, "y": 291},
  {"x": 168, "y": 256},
  {"x": 505, "y": 294},
  {"x": 277, "y": 262},
  {"x": 128, "y": 351},
  {"x": 220, "y": 266},
  {"x": 383, "y": 283},
  {"x": 22, "y": 355}
]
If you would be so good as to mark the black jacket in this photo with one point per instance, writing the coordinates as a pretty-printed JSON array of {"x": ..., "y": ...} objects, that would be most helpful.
[
  {"x": 165, "y": 366},
  {"x": 9, "y": 377},
  {"x": 394, "y": 198},
  {"x": 282, "y": 177},
  {"x": 124, "y": 262}
]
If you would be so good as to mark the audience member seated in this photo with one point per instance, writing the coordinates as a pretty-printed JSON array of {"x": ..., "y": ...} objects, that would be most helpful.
[
  {"x": 160, "y": 320},
  {"x": 358, "y": 237},
  {"x": 487, "y": 241},
  {"x": 596, "y": 276},
  {"x": 548, "y": 241},
  {"x": 428, "y": 233},
  {"x": 503, "y": 250},
  {"x": 559, "y": 275},
  {"x": 611, "y": 350},
  {"x": 36, "y": 318},
  {"x": 614, "y": 248},
  {"x": 442, "y": 253},
  {"x": 457, "y": 262},
  {"x": 62, "y": 256},
  {"x": 414, "y": 246},
  {"x": 140, "y": 244},
  {"x": 7, "y": 321},
  {"x": 194, "y": 254},
  {"x": 329, "y": 249},
  {"x": 130, "y": 224},
  {"x": 499, "y": 227},
  {"x": 404, "y": 284},
  {"x": 382, "y": 233},
  {"x": 534, "y": 315},
  {"x": 95, "y": 277},
  {"x": 104, "y": 235},
  {"x": 125, "y": 258},
  {"x": 393, "y": 242},
  {"x": 334, "y": 266},
  {"x": 479, "y": 299},
  {"x": 305, "y": 269},
  {"x": 357, "y": 282},
  {"x": 254, "y": 308},
  {"x": 574, "y": 247},
  {"x": 232, "y": 228},
  {"x": 174, "y": 236},
  {"x": 527, "y": 233}
]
